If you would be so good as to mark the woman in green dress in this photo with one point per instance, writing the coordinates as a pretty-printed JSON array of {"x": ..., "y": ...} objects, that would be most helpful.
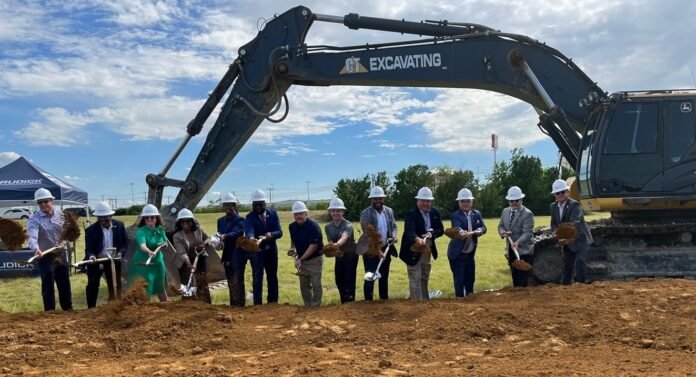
[{"x": 148, "y": 237}]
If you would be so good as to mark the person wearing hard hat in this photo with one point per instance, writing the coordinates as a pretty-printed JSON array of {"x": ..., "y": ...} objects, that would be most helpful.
[
  {"x": 264, "y": 222},
  {"x": 234, "y": 259},
  {"x": 382, "y": 219},
  {"x": 44, "y": 229},
  {"x": 516, "y": 227},
  {"x": 567, "y": 210},
  {"x": 147, "y": 262},
  {"x": 461, "y": 252},
  {"x": 422, "y": 225},
  {"x": 339, "y": 231},
  {"x": 105, "y": 239},
  {"x": 306, "y": 239},
  {"x": 189, "y": 241}
]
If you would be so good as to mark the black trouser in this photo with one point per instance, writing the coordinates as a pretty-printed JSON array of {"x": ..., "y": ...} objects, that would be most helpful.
[
  {"x": 574, "y": 260},
  {"x": 345, "y": 272},
  {"x": 520, "y": 278},
  {"x": 370, "y": 264},
  {"x": 235, "y": 277},
  {"x": 463, "y": 269},
  {"x": 201, "y": 276},
  {"x": 94, "y": 274},
  {"x": 269, "y": 259},
  {"x": 55, "y": 269},
  {"x": 231, "y": 275}
]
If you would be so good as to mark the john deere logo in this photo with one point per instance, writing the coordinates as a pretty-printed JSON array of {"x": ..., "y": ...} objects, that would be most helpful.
[{"x": 353, "y": 66}]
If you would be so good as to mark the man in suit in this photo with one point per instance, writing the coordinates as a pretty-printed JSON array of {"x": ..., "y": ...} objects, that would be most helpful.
[
  {"x": 381, "y": 218},
  {"x": 567, "y": 210},
  {"x": 517, "y": 223},
  {"x": 106, "y": 237},
  {"x": 234, "y": 260},
  {"x": 263, "y": 222},
  {"x": 422, "y": 226},
  {"x": 460, "y": 253}
]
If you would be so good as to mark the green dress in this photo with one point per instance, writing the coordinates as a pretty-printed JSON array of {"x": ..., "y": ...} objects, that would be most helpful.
[{"x": 154, "y": 274}]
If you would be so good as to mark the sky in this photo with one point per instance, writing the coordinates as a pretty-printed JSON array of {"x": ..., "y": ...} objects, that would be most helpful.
[{"x": 99, "y": 92}]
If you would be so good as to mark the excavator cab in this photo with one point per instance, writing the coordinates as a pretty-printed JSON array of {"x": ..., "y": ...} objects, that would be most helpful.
[{"x": 639, "y": 145}]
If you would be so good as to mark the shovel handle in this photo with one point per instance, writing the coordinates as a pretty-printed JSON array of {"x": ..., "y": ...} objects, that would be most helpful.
[{"x": 514, "y": 249}]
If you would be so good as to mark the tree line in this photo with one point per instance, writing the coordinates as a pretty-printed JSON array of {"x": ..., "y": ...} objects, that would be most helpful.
[{"x": 521, "y": 170}]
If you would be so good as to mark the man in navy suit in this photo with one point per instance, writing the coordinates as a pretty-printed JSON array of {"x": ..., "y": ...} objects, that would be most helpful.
[
  {"x": 575, "y": 251},
  {"x": 461, "y": 253},
  {"x": 106, "y": 237},
  {"x": 263, "y": 222},
  {"x": 422, "y": 225},
  {"x": 233, "y": 259}
]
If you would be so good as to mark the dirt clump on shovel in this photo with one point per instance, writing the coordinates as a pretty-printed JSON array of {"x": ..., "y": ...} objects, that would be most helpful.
[{"x": 12, "y": 234}]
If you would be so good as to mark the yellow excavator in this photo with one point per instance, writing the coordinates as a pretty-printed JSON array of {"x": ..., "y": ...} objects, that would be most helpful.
[{"x": 634, "y": 152}]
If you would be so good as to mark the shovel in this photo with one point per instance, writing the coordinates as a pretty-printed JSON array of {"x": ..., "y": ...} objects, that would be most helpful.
[
  {"x": 518, "y": 263},
  {"x": 300, "y": 272},
  {"x": 187, "y": 290},
  {"x": 372, "y": 276},
  {"x": 43, "y": 253},
  {"x": 147, "y": 263}
]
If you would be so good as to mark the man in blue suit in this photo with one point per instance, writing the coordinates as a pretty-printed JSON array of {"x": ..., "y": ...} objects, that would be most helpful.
[
  {"x": 230, "y": 227},
  {"x": 262, "y": 222},
  {"x": 461, "y": 253},
  {"x": 106, "y": 237},
  {"x": 422, "y": 225}
]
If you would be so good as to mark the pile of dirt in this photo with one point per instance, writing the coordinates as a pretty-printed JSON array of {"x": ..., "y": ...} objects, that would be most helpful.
[
  {"x": 12, "y": 234},
  {"x": 604, "y": 329}
]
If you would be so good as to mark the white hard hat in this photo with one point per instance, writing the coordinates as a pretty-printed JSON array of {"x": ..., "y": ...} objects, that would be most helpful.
[
  {"x": 185, "y": 213},
  {"x": 376, "y": 192},
  {"x": 42, "y": 193},
  {"x": 149, "y": 210},
  {"x": 559, "y": 185},
  {"x": 258, "y": 196},
  {"x": 103, "y": 209},
  {"x": 229, "y": 198},
  {"x": 465, "y": 194},
  {"x": 514, "y": 193},
  {"x": 425, "y": 194},
  {"x": 336, "y": 203},
  {"x": 298, "y": 207}
]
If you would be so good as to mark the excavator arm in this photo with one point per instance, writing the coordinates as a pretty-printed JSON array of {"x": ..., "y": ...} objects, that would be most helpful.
[{"x": 450, "y": 56}]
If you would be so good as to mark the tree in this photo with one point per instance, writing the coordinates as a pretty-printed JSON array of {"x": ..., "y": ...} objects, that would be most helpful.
[
  {"x": 407, "y": 182},
  {"x": 354, "y": 193},
  {"x": 449, "y": 183}
]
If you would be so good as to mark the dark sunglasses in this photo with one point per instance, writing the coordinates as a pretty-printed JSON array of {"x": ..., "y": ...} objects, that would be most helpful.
[
  {"x": 514, "y": 201},
  {"x": 465, "y": 201},
  {"x": 186, "y": 221},
  {"x": 150, "y": 217},
  {"x": 44, "y": 201},
  {"x": 561, "y": 192}
]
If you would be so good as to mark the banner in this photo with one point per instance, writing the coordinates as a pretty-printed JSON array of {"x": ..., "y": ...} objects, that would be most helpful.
[{"x": 11, "y": 265}]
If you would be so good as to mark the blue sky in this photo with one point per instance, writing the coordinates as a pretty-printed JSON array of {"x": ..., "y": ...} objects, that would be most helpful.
[{"x": 100, "y": 92}]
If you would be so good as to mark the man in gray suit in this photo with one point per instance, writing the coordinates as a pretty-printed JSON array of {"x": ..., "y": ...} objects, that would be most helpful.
[
  {"x": 382, "y": 218},
  {"x": 517, "y": 223},
  {"x": 567, "y": 210}
]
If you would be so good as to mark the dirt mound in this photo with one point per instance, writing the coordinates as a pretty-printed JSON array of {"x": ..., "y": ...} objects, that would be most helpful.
[{"x": 603, "y": 329}]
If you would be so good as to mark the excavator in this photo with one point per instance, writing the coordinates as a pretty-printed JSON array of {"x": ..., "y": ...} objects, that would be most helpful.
[{"x": 634, "y": 152}]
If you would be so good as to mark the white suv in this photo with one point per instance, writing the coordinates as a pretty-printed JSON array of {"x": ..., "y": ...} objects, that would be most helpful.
[{"x": 16, "y": 214}]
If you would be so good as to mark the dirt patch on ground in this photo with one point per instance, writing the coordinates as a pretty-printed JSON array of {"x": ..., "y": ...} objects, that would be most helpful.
[{"x": 604, "y": 329}]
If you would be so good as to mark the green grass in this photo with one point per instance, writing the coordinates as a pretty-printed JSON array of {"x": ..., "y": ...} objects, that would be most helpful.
[{"x": 24, "y": 294}]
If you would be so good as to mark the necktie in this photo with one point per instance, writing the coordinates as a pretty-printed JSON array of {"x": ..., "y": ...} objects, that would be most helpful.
[
  {"x": 513, "y": 213},
  {"x": 263, "y": 221}
]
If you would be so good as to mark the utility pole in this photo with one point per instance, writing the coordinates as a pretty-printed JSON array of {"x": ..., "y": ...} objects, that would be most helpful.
[
  {"x": 307, "y": 191},
  {"x": 132, "y": 195},
  {"x": 145, "y": 197}
]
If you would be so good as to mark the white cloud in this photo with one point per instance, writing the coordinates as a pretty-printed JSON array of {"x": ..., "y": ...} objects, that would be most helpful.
[
  {"x": 141, "y": 13},
  {"x": 367, "y": 156},
  {"x": 462, "y": 120},
  {"x": 328, "y": 154},
  {"x": 7, "y": 157},
  {"x": 71, "y": 178}
]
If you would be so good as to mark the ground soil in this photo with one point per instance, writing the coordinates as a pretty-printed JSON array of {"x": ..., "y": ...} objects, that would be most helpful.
[{"x": 640, "y": 328}]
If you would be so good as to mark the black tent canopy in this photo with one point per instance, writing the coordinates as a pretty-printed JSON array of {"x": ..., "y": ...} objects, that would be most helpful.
[{"x": 20, "y": 179}]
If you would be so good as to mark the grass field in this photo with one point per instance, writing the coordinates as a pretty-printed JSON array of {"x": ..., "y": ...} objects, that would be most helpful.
[{"x": 24, "y": 294}]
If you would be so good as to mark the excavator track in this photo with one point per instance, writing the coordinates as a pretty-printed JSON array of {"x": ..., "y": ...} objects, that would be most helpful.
[{"x": 625, "y": 251}]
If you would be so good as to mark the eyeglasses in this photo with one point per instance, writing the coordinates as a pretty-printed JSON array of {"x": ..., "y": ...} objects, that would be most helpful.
[
  {"x": 514, "y": 201},
  {"x": 465, "y": 201},
  {"x": 186, "y": 221},
  {"x": 150, "y": 217},
  {"x": 561, "y": 192},
  {"x": 43, "y": 201}
]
